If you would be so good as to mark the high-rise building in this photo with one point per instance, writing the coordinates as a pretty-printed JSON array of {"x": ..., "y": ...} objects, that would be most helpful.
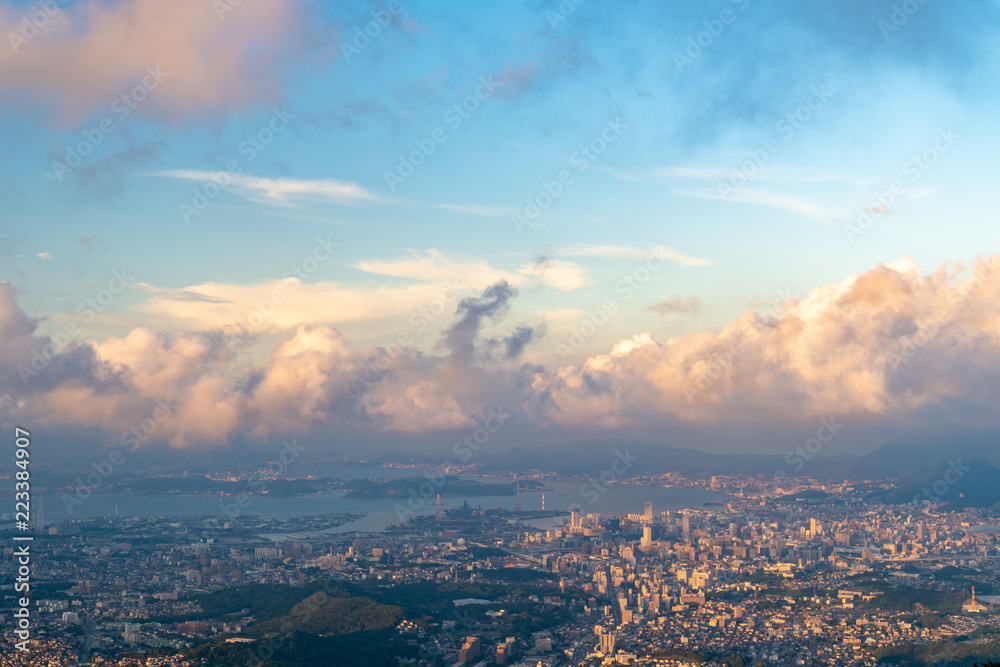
[
  {"x": 38, "y": 516},
  {"x": 647, "y": 536},
  {"x": 607, "y": 646},
  {"x": 574, "y": 519},
  {"x": 686, "y": 528},
  {"x": 506, "y": 651},
  {"x": 648, "y": 516},
  {"x": 470, "y": 650}
]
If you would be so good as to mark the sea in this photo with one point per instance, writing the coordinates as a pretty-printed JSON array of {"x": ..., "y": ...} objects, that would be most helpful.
[{"x": 612, "y": 499}]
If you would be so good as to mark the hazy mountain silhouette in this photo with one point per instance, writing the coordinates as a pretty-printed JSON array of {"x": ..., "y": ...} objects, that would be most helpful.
[
  {"x": 897, "y": 459},
  {"x": 959, "y": 483}
]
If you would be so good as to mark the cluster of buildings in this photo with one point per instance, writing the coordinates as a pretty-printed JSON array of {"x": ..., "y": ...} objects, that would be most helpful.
[{"x": 790, "y": 582}]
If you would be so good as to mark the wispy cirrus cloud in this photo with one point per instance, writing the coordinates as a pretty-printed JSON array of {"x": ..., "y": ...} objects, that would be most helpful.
[
  {"x": 660, "y": 173},
  {"x": 435, "y": 266},
  {"x": 281, "y": 191},
  {"x": 765, "y": 198},
  {"x": 179, "y": 294},
  {"x": 476, "y": 209},
  {"x": 721, "y": 173},
  {"x": 631, "y": 252}
]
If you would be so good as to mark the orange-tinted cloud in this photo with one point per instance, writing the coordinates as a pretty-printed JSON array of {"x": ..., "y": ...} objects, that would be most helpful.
[
  {"x": 205, "y": 58},
  {"x": 885, "y": 344}
]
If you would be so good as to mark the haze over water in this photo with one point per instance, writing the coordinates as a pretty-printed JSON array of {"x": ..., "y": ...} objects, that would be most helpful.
[{"x": 618, "y": 499}]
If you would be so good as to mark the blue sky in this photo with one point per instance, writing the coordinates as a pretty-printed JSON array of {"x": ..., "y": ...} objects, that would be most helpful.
[{"x": 743, "y": 139}]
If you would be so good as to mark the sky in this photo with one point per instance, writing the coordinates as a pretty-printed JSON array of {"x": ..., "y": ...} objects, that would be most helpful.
[{"x": 707, "y": 224}]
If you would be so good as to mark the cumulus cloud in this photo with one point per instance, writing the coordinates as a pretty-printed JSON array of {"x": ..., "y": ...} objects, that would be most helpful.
[
  {"x": 519, "y": 339},
  {"x": 17, "y": 334},
  {"x": 187, "y": 373},
  {"x": 314, "y": 378},
  {"x": 462, "y": 336},
  {"x": 886, "y": 342},
  {"x": 889, "y": 343},
  {"x": 303, "y": 381},
  {"x": 89, "y": 54}
]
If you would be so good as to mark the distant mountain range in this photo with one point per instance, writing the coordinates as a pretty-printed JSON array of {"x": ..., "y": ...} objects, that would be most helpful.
[
  {"x": 895, "y": 460},
  {"x": 961, "y": 485},
  {"x": 962, "y": 472}
]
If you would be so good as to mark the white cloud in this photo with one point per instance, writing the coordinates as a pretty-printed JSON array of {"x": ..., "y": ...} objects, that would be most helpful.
[
  {"x": 44, "y": 255},
  {"x": 724, "y": 174},
  {"x": 632, "y": 252},
  {"x": 288, "y": 303},
  {"x": 283, "y": 191},
  {"x": 563, "y": 276},
  {"x": 660, "y": 173},
  {"x": 433, "y": 265},
  {"x": 890, "y": 343},
  {"x": 485, "y": 210},
  {"x": 764, "y": 198}
]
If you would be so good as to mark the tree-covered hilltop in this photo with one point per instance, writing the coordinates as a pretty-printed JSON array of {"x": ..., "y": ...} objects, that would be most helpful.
[
  {"x": 324, "y": 615},
  {"x": 321, "y": 623},
  {"x": 381, "y": 648},
  {"x": 328, "y": 622},
  {"x": 941, "y": 654}
]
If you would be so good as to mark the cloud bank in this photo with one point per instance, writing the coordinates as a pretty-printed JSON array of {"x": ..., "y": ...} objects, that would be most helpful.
[{"x": 891, "y": 343}]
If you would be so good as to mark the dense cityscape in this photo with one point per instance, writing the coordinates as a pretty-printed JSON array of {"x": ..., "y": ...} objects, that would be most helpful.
[
  {"x": 802, "y": 573},
  {"x": 532, "y": 333}
]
